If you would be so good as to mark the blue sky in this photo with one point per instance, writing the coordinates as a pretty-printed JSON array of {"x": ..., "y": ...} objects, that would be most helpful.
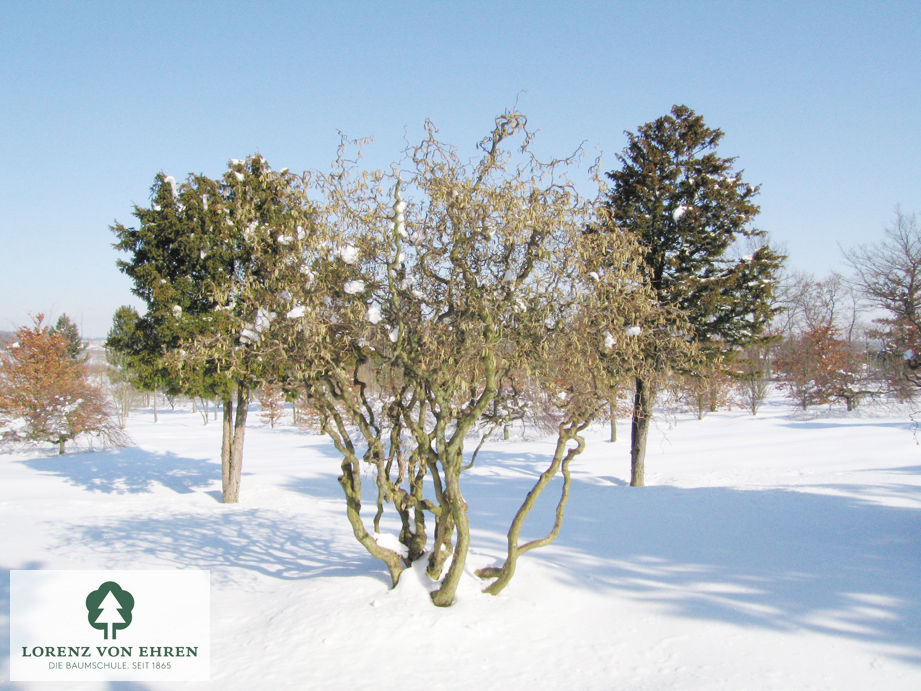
[{"x": 820, "y": 103}]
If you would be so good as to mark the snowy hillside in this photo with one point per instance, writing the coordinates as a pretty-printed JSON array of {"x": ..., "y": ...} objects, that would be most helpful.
[{"x": 777, "y": 552}]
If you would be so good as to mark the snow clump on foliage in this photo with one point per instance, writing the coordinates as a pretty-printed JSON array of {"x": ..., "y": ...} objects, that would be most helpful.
[
  {"x": 354, "y": 287},
  {"x": 349, "y": 254},
  {"x": 253, "y": 332}
]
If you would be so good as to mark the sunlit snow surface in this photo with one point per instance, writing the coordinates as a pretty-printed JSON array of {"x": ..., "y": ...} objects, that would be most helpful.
[{"x": 775, "y": 552}]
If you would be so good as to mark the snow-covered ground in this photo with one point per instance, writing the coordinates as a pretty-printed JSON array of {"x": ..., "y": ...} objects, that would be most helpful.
[{"x": 776, "y": 552}]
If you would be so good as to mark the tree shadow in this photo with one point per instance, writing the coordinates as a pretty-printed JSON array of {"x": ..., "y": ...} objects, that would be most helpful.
[
  {"x": 908, "y": 426},
  {"x": 325, "y": 487},
  {"x": 5, "y": 619},
  {"x": 782, "y": 560},
  {"x": 845, "y": 564},
  {"x": 904, "y": 469},
  {"x": 130, "y": 471},
  {"x": 266, "y": 542}
]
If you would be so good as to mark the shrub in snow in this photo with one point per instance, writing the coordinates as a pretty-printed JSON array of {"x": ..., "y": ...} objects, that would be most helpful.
[
  {"x": 487, "y": 327},
  {"x": 496, "y": 303},
  {"x": 46, "y": 395},
  {"x": 819, "y": 365}
]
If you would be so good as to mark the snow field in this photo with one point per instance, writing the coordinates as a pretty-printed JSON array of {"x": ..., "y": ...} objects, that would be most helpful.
[{"x": 775, "y": 552}]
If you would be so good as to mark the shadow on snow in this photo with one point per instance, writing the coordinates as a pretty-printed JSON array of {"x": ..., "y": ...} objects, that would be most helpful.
[
  {"x": 130, "y": 471},
  {"x": 5, "y": 618},
  {"x": 783, "y": 560},
  {"x": 270, "y": 543},
  {"x": 825, "y": 424}
]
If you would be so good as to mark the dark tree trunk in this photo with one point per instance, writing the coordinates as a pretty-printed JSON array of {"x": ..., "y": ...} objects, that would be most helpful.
[
  {"x": 612, "y": 404},
  {"x": 639, "y": 429},
  {"x": 226, "y": 438}
]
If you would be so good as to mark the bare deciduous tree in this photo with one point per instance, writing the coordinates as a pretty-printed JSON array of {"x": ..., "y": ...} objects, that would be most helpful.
[
  {"x": 888, "y": 274},
  {"x": 416, "y": 326}
]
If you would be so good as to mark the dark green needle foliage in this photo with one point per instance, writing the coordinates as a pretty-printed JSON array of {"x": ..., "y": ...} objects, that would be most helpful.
[{"x": 691, "y": 212}]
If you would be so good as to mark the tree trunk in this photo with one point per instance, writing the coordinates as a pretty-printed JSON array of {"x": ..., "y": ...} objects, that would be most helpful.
[
  {"x": 350, "y": 481},
  {"x": 613, "y": 406},
  {"x": 444, "y": 533},
  {"x": 233, "y": 433},
  {"x": 561, "y": 458},
  {"x": 444, "y": 596},
  {"x": 639, "y": 430},
  {"x": 155, "y": 406},
  {"x": 226, "y": 438},
  {"x": 61, "y": 447}
]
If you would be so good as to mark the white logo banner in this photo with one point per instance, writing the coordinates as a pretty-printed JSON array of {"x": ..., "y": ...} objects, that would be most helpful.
[{"x": 110, "y": 625}]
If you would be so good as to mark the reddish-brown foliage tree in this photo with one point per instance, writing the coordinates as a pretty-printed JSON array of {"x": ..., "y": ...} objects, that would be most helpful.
[
  {"x": 272, "y": 403},
  {"x": 46, "y": 395},
  {"x": 819, "y": 366}
]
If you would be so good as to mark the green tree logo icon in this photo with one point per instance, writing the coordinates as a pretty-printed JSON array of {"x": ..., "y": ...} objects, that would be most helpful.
[{"x": 109, "y": 608}]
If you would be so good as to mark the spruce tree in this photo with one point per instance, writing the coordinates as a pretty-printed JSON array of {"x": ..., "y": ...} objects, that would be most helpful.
[{"x": 689, "y": 209}]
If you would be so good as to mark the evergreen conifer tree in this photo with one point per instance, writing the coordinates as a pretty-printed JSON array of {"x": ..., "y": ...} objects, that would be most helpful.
[
  {"x": 202, "y": 257},
  {"x": 688, "y": 208},
  {"x": 76, "y": 347}
]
